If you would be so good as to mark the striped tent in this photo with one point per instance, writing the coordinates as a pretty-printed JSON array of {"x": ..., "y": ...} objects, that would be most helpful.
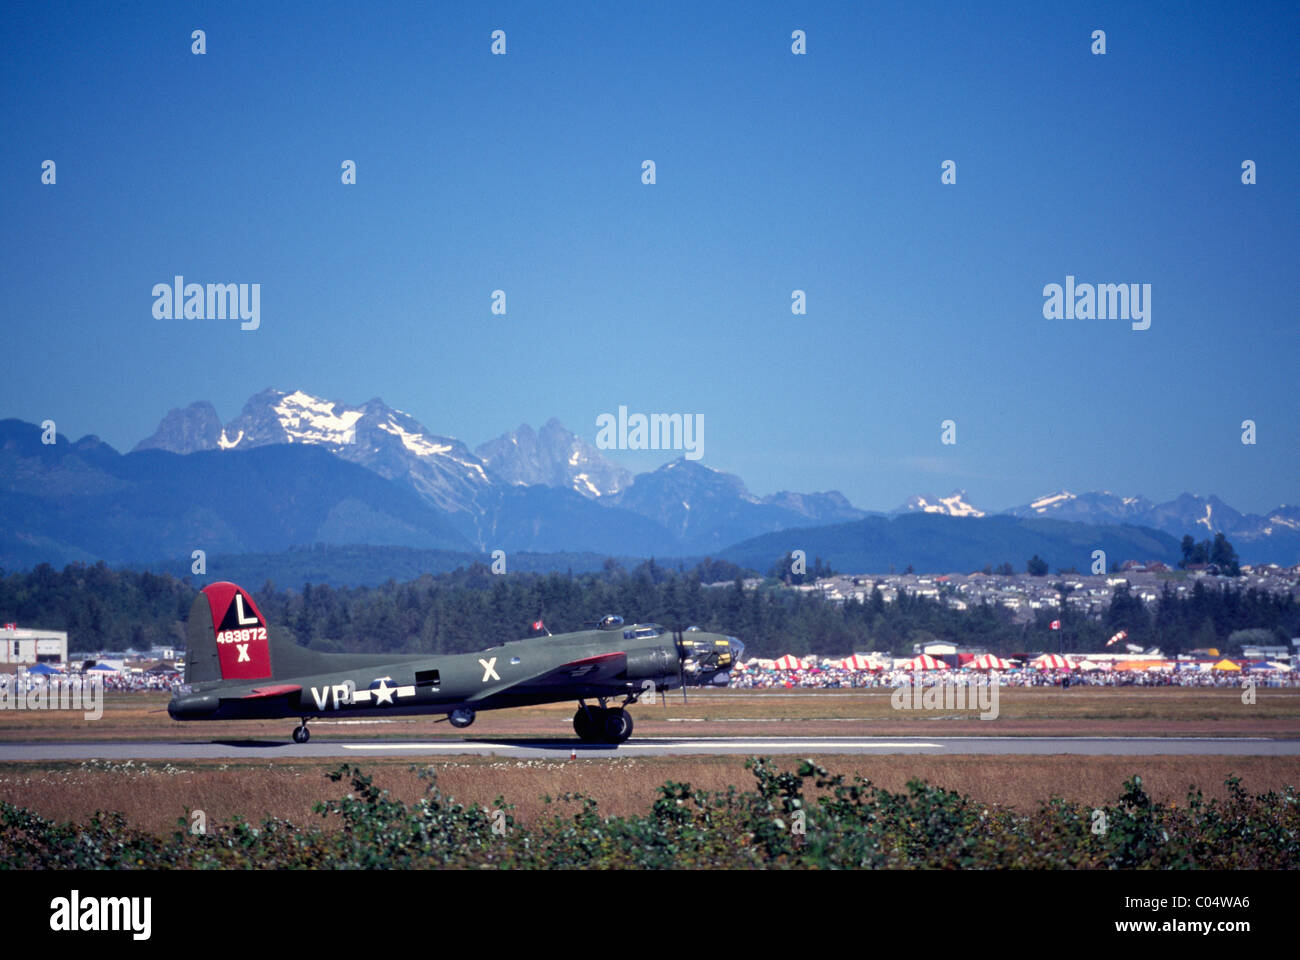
[
  {"x": 990, "y": 662},
  {"x": 1052, "y": 661},
  {"x": 856, "y": 662},
  {"x": 788, "y": 662},
  {"x": 924, "y": 662}
]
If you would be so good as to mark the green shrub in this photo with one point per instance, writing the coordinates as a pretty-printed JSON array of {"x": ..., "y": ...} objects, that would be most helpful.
[{"x": 852, "y": 824}]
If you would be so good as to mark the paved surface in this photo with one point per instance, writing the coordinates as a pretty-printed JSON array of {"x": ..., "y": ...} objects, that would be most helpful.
[{"x": 646, "y": 746}]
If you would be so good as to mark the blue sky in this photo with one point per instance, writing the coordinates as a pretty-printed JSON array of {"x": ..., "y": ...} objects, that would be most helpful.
[{"x": 775, "y": 172}]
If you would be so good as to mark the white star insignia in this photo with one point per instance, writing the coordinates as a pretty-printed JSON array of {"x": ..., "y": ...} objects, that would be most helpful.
[{"x": 384, "y": 693}]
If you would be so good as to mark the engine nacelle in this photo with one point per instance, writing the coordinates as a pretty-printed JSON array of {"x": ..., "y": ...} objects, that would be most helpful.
[{"x": 655, "y": 663}]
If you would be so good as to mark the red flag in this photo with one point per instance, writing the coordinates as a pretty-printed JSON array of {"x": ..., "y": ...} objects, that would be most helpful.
[
  {"x": 11, "y": 626},
  {"x": 1056, "y": 624},
  {"x": 537, "y": 625}
]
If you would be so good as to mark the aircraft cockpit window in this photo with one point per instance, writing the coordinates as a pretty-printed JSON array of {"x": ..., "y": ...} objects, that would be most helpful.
[{"x": 611, "y": 622}]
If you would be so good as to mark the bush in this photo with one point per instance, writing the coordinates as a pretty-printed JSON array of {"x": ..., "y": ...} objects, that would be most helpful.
[{"x": 851, "y": 825}]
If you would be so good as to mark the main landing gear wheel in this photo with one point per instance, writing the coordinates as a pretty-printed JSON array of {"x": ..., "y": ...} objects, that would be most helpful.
[
  {"x": 617, "y": 725},
  {"x": 589, "y": 724},
  {"x": 301, "y": 734}
]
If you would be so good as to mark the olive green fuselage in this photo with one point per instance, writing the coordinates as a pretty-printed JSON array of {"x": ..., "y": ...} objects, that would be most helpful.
[{"x": 589, "y": 664}]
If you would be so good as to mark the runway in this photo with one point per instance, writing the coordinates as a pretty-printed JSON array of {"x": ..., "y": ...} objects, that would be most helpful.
[{"x": 643, "y": 747}]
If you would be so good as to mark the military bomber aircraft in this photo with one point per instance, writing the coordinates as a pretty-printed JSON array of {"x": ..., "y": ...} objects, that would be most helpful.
[{"x": 234, "y": 670}]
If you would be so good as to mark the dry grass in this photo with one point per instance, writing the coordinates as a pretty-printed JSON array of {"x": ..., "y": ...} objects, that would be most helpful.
[{"x": 154, "y": 795}]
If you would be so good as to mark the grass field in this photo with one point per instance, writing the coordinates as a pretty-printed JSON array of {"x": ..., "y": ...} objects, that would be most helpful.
[
  {"x": 152, "y": 796},
  {"x": 1124, "y": 711}
]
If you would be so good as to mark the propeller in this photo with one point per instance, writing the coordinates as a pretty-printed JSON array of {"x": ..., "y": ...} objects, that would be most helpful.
[{"x": 681, "y": 660}]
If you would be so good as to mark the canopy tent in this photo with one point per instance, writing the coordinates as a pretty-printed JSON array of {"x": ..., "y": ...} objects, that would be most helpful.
[
  {"x": 990, "y": 662},
  {"x": 44, "y": 669},
  {"x": 924, "y": 662},
  {"x": 1052, "y": 661},
  {"x": 788, "y": 662},
  {"x": 1278, "y": 665},
  {"x": 856, "y": 662},
  {"x": 1226, "y": 665}
]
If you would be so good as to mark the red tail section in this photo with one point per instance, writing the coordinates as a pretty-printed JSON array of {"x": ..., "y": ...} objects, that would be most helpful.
[{"x": 243, "y": 650}]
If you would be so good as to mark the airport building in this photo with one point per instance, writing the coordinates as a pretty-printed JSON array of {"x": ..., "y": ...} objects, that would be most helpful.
[{"x": 27, "y": 646}]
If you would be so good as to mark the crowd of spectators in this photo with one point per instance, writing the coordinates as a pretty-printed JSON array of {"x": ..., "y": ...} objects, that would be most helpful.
[
  {"x": 823, "y": 677},
  {"x": 113, "y": 682},
  {"x": 757, "y": 678}
]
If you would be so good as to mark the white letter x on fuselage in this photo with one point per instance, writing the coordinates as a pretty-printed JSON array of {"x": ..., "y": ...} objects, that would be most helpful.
[{"x": 489, "y": 669}]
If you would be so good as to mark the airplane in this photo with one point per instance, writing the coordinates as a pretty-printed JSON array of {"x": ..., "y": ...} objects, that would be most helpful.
[{"x": 236, "y": 670}]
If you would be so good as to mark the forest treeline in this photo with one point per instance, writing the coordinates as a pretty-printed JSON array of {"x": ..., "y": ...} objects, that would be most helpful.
[{"x": 103, "y": 608}]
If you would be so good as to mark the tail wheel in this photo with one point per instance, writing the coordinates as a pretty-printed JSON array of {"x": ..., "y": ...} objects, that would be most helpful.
[
  {"x": 589, "y": 723},
  {"x": 617, "y": 725}
]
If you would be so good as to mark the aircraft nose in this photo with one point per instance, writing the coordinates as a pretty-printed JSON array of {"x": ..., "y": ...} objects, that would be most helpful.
[{"x": 736, "y": 648}]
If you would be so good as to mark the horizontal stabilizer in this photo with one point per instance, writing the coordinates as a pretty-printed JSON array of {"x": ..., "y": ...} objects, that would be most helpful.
[{"x": 276, "y": 691}]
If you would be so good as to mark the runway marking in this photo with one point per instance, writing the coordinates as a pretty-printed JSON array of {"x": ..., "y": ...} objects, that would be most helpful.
[
  {"x": 764, "y": 719},
  {"x": 1105, "y": 739},
  {"x": 643, "y": 744},
  {"x": 768, "y": 743}
]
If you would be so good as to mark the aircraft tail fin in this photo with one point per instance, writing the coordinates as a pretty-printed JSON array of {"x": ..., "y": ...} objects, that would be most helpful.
[{"x": 226, "y": 637}]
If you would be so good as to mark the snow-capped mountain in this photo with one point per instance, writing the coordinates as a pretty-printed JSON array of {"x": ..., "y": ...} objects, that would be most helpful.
[
  {"x": 536, "y": 490},
  {"x": 391, "y": 443},
  {"x": 552, "y": 457},
  {"x": 1201, "y": 517},
  {"x": 1086, "y": 507},
  {"x": 83, "y": 501},
  {"x": 953, "y": 505},
  {"x": 553, "y": 490}
]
